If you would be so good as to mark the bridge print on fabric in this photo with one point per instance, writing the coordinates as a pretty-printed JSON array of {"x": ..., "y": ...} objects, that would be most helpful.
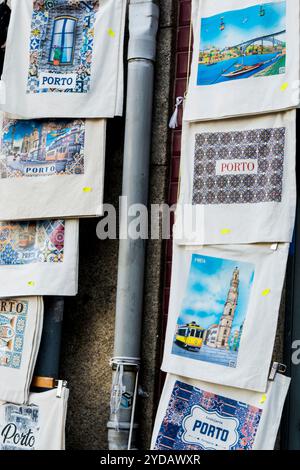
[
  {"x": 243, "y": 43},
  {"x": 61, "y": 46}
]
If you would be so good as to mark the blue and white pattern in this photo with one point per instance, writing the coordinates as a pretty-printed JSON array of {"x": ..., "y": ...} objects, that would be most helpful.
[
  {"x": 12, "y": 331},
  {"x": 31, "y": 242},
  {"x": 61, "y": 44},
  {"x": 20, "y": 421},
  {"x": 200, "y": 420}
]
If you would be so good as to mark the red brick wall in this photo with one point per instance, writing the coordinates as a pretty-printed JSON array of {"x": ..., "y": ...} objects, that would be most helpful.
[{"x": 181, "y": 56}]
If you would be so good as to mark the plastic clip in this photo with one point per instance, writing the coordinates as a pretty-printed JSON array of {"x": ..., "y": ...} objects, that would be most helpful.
[
  {"x": 277, "y": 368},
  {"x": 60, "y": 385}
]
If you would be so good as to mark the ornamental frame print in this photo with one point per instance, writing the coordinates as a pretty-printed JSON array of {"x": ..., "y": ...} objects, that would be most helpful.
[
  {"x": 226, "y": 424},
  {"x": 239, "y": 167}
]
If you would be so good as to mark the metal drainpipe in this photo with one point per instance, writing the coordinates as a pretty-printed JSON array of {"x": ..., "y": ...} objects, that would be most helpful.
[
  {"x": 143, "y": 26},
  {"x": 49, "y": 353}
]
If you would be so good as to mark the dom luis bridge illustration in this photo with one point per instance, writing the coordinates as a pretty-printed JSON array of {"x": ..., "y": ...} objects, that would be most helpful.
[{"x": 259, "y": 56}]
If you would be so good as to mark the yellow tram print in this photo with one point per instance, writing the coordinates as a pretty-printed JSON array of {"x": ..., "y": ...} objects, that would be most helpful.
[{"x": 190, "y": 336}]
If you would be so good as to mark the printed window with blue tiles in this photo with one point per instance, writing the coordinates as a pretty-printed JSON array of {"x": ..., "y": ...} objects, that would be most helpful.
[{"x": 63, "y": 41}]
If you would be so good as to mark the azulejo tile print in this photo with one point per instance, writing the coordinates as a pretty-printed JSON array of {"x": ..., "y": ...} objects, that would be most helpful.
[
  {"x": 21, "y": 427},
  {"x": 61, "y": 46},
  {"x": 239, "y": 167},
  {"x": 13, "y": 316},
  {"x": 200, "y": 420},
  {"x": 42, "y": 148},
  {"x": 32, "y": 242},
  {"x": 211, "y": 320},
  {"x": 245, "y": 43}
]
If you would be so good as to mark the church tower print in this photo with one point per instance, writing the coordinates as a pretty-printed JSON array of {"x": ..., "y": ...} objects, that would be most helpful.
[
  {"x": 210, "y": 324},
  {"x": 225, "y": 325}
]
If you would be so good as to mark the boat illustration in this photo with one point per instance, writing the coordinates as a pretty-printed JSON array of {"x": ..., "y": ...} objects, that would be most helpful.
[{"x": 243, "y": 69}]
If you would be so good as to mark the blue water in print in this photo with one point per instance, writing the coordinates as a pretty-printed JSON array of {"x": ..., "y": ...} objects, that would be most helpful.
[{"x": 211, "y": 74}]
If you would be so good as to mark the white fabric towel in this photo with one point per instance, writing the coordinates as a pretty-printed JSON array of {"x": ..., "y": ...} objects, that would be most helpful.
[
  {"x": 196, "y": 415},
  {"x": 223, "y": 313},
  {"x": 40, "y": 425},
  {"x": 245, "y": 58},
  {"x": 51, "y": 169},
  {"x": 21, "y": 322},
  {"x": 65, "y": 59},
  {"x": 237, "y": 181},
  {"x": 39, "y": 258}
]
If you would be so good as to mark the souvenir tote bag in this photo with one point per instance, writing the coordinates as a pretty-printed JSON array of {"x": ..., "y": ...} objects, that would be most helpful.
[
  {"x": 224, "y": 304},
  {"x": 194, "y": 415},
  {"x": 39, "y": 258},
  {"x": 238, "y": 180},
  {"x": 51, "y": 168},
  {"x": 20, "y": 333},
  {"x": 38, "y": 425},
  {"x": 245, "y": 58},
  {"x": 64, "y": 58}
]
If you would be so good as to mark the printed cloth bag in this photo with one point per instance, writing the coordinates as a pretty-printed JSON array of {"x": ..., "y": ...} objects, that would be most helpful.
[
  {"x": 39, "y": 425},
  {"x": 51, "y": 168},
  {"x": 238, "y": 180},
  {"x": 21, "y": 322},
  {"x": 64, "y": 58},
  {"x": 39, "y": 258},
  {"x": 195, "y": 415},
  {"x": 224, "y": 304},
  {"x": 245, "y": 58}
]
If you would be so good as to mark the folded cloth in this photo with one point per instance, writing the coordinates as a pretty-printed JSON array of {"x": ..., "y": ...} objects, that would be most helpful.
[
  {"x": 39, "y": 258},
  {"x": 21, "y": 322},
  {"x": 51, "y": 168},
  {"x": 224, "y": 305},
  {"x": 36, "y": 349},
  {"x": 40, "y": 425},
  {"x": 237, "y": 181},
  {"x": 65, "y": 59},
  {"x": 245, "y": 58},
  {"x": 194, "y": 415}
]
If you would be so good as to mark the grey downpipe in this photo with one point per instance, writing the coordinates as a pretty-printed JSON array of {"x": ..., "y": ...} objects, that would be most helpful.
[
  {"x": 143, "y": 26},
  {"x": 48, "y": 361}
]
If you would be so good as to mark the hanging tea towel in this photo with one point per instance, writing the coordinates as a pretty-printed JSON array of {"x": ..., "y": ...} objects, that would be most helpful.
[
  {"x": 51, "y": 168},
  {"x": 21, "y": 322},
  {"x": 39, "y": 258},
  {"x": 238, "y": 181},
  {"x": 39, "y": 425},
  {"x": 196, "y": 415},
  {"x": 223, "y": 313},
  {"x": 64, "y": 58},
  {"x": 245, "y": 58}
]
